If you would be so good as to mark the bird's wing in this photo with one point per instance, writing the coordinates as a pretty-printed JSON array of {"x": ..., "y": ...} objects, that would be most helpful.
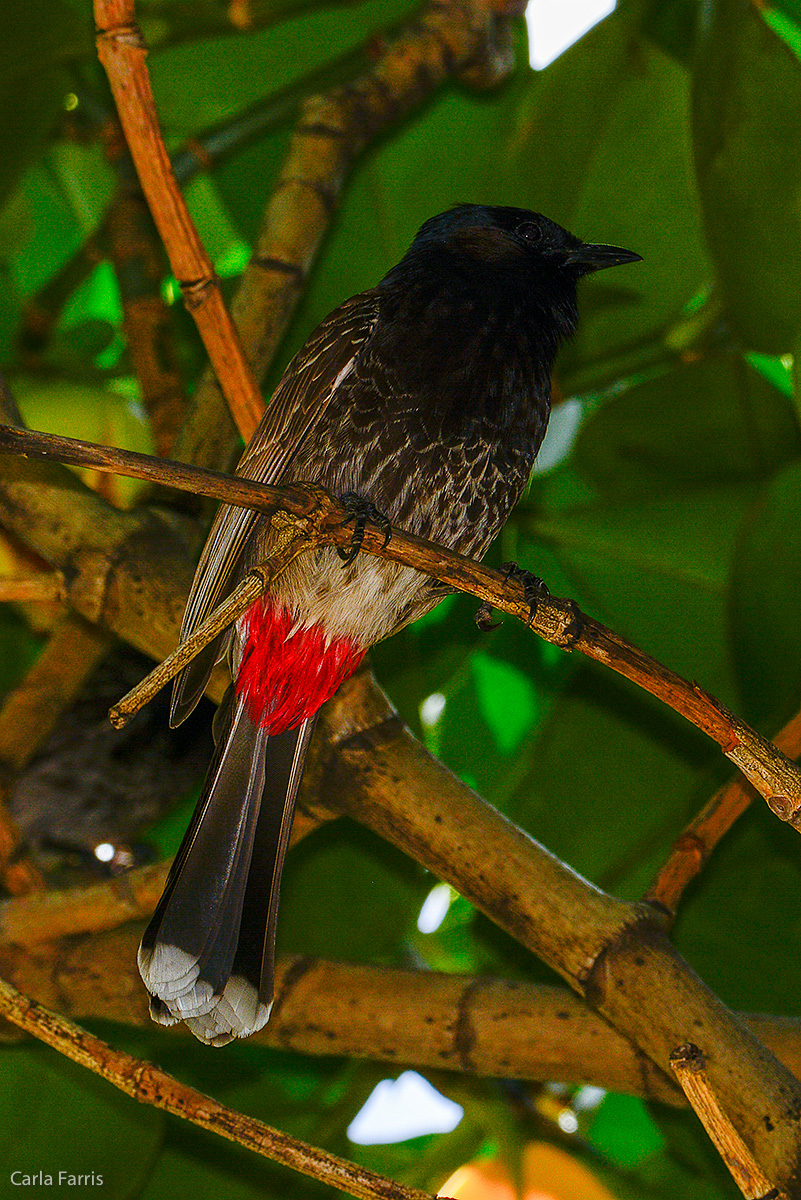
[{"x": 298, "y": 403}]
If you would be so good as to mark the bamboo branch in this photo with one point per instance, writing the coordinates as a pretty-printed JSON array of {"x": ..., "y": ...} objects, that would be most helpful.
[
  {"x": 425, "y": 1019},
  {"x": 473, "y": 1025},
  {"x": 556, "y": 620},
  {"x": 40, "y": 918},
  {"x": 689, "y": 1066},
  {"x": 150, "y": 1085},
  {"x": 614, "y": 954},
  {"x": 122, "y": 53}
]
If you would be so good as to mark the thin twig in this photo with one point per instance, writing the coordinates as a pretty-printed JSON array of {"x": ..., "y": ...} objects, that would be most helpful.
[
  {"x": 689, "y": 1066},
  {"x": 693, "y": 847},
  {"x": 150, "y": 1085},
  {"x": 122, "y": 53},
  {"x": 556, "y": 620},
  {"x": 252, "y": 586}
]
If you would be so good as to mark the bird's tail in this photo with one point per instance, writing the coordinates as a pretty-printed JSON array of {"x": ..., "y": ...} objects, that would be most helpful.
[{"x": 207, "y": 955}]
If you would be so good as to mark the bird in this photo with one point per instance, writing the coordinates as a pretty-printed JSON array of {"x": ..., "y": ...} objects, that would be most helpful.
[{"x": 422, "y": 401}]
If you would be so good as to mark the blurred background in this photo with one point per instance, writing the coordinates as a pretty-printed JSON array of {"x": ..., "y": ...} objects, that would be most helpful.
[{"x": 666, "y": 502}]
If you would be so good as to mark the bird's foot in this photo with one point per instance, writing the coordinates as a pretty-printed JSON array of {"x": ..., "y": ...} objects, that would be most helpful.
[
  {"x": 360, "y": 512},
  {"x": 534, "y": 588}
]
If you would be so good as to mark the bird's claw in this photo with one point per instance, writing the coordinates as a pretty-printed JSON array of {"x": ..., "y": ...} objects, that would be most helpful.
[
  {"x": 534, "y": 588},
  {"x": 483, "y": 618},
  {"x": 361, "y": 511}
]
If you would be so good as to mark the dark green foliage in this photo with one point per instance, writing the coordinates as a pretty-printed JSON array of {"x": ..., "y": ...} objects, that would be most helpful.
[{"x": 673, "y": 515}]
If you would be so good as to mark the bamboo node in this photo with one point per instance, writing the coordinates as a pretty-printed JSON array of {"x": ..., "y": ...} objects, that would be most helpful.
[
  {"x": 195, "y": 291},
  {"x": 689, "y": 1065},
  {"x": 128, "y": 34}
]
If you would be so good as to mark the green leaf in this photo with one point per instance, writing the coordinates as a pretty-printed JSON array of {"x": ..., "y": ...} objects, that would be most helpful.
[
  {"x": 506, "y": 698},
  {"x": 42, "y": 233},
  {"x": 785, "y": 21},
  {"x": 610, "y": 781},
  {"x": 57, "y": 1117},
  {"x": 673, "y": 27},
  {"x": 738, "y": 926},
  {"x": 713, "y": 421},
  {"x": 202, "y": 83},
  {"x": 347, "y": 894},
  {"x": 21, "y": 647},
  {"x": 196, "y": 1165},
  {"x": 563, "y": 113},
  {"x": 641, "y": 193},
  {"x": 766, "y": 596},
  {"x": 655, "y": 571},
  {"x": 624, "y": 1131},
  {"x": 747, "y": 127},
  {"x": 37, "y": 39},
  {"x": 689, "y": 1165},
  {"x": 85, "y": 179}
]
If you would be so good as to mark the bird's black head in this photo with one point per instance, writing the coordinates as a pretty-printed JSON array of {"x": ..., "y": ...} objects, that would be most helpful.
[
  {"x": 515, "y": 241},
  {"x": 485, "y": 296}
]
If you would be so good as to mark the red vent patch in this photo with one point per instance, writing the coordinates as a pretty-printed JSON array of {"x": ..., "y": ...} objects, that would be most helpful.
[{"x": 284, "y": 680}]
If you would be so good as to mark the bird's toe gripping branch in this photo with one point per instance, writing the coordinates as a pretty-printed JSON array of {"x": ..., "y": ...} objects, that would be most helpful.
[
  {"x": 534, "y": 588},
  {"x": 535, "y": 591},
  {"x": 361, "y": 511}
]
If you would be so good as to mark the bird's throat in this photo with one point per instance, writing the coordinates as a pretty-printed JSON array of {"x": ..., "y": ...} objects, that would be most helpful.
[{"x": 289, "y": 669}]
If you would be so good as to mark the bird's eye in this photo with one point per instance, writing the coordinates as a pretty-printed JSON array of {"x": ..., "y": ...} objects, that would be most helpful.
[{"x": 530, "y": 232}]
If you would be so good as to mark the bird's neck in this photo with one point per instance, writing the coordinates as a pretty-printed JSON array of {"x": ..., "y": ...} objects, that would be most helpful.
[{"x": 475, "y": 327}]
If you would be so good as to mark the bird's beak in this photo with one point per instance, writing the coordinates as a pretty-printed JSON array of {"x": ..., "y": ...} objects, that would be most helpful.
[{"x": 596, "y": 258}]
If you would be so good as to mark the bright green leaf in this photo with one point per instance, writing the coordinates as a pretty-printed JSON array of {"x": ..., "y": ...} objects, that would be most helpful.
[{"x": 506, "y": 698}]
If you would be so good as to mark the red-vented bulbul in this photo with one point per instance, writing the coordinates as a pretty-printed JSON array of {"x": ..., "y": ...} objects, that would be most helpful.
[{"x": 427, "y": 396}]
